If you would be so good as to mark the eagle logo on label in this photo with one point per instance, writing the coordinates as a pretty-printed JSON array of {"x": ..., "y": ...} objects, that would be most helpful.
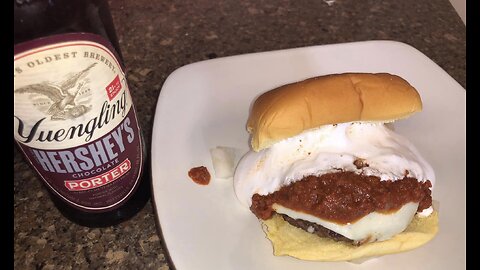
[{"x": 66, "y": 99}]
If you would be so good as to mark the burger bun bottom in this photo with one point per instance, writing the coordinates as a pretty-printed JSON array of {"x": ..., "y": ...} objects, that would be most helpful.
[{"x": 288, "y": 240}]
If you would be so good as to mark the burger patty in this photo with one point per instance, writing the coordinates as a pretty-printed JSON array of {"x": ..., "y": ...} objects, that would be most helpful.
[
  {"x": 344, "y": 197},
  {"x": 315, "y": 228}
]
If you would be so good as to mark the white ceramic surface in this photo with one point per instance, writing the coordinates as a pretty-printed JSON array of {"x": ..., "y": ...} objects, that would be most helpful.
[{"x": 205, "y": 104}]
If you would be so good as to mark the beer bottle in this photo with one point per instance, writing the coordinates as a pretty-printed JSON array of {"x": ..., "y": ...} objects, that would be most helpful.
[{"x": 74, "y": 119}]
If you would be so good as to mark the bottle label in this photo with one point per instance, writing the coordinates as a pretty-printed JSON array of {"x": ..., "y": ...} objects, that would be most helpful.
[{"x": 75, "y": 121}]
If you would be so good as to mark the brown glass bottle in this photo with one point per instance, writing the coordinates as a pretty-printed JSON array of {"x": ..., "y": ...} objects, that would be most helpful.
[{"x": 90, "y": 155}]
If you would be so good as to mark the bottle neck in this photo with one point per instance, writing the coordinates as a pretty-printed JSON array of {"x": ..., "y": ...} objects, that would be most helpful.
[{"x": 39, "y": 18}]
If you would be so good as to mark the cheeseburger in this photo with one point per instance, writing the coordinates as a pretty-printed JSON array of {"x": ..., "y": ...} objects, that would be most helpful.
[{"x": 327, "y": 176}]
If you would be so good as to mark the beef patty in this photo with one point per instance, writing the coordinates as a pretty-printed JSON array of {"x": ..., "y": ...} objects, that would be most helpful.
[{"x": 315, "y": 229}]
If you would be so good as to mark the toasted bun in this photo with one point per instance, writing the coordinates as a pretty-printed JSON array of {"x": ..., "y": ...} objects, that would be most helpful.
[
  {"x": 295, "y": 242},
  {"x": 289, "y": 110}
]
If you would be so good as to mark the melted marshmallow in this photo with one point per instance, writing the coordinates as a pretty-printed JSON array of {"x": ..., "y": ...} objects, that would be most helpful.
[{"x": 329, "y": 149}]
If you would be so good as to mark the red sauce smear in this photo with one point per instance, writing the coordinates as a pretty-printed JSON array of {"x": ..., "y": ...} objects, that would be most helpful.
[{"x": 200, "y": 175}]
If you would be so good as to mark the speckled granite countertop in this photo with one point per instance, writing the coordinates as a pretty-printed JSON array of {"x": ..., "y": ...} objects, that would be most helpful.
[{"x": 158, "y": 37}]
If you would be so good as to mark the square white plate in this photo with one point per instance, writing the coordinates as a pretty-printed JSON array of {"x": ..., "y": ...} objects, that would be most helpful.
[{"x": 206, "y": 104}]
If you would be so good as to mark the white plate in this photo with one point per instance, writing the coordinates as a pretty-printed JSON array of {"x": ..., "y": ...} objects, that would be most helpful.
[{"x": 205, "y": 104}]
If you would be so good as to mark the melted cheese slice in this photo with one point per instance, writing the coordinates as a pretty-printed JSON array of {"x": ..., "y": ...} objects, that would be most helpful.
[{"x": 372, "y": 227}]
